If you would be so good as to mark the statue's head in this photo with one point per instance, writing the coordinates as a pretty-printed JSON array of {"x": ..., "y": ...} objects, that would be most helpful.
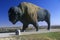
[{"x": 14, "y": 13}]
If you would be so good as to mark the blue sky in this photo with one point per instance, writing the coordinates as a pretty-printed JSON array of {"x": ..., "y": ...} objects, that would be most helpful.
[{"x": 53, "y": 6}]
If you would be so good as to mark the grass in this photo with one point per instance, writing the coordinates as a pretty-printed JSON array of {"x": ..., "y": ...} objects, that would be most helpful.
[
  {"x": 44, "y": 36},
  {"x": 41, "y": 36}
]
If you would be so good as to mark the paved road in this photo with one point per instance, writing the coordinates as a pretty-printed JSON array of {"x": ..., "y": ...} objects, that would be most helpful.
[{"x": 30, "y": 32}]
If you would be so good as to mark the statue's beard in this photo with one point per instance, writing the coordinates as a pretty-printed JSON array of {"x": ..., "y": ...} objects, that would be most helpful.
[{"x": 13, "y": 20}]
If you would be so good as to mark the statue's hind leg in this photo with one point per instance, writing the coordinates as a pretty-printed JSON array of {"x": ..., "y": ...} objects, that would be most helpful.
[
  {"x": 47, "y": 19},
  {"x": 48, "y": 22},
  {"x": 24, "y": 27},
  {"x": 35, "y": 25}
]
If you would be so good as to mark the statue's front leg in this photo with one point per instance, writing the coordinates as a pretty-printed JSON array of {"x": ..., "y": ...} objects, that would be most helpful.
[
  {"x": 35, "y": 25},
  {"x": 24, "y": 27}
]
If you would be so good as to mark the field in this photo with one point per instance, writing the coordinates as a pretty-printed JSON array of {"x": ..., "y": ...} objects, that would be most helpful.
[
  {"x": 13, "y": 29},
  {"x": 41, "y": 36}
]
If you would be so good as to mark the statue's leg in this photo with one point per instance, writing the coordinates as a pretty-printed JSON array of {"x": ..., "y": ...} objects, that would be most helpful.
[
  {"x": 35, "y": 25},
  {"x": 24, "y": 27},
  {"x": 47, "y": 19},
  {"x": 48, "y": 22}
]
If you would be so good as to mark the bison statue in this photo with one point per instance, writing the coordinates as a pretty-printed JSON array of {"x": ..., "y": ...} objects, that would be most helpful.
[{"x": 28, "y": 13}]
